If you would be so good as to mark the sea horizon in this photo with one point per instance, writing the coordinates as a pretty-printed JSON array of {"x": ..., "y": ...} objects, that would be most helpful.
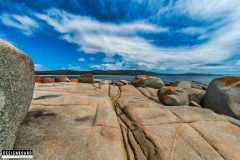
[{"x": 173, "y": 78}]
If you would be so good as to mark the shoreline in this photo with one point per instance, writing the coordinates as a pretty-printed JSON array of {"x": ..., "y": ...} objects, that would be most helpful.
[
  {"x": 203, "y": 79},
  {"x": 135, "y": 75}
]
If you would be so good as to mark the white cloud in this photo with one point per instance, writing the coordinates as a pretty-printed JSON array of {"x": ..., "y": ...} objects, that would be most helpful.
[
  {"x": 81, "y": 24},
  {"x": 94, "y": 37},
  {"x": 207, "y": 9},
  {"x": 237, "y": 63},
  {"x": 81, "y": 59},
  {"x": 24, "y": 23},
  {"x": 39, "y": 67},
  {"x": 108, "y": 59},
  {"x": 71, "y": 67},
  {"x": 109, "y": 66},
  {"x": 192, "y": 30}
]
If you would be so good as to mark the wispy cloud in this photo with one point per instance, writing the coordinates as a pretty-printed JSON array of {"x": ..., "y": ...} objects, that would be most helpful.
[
  {"x": 206, "y": 9},
  {"x": 24, "y": 23},
  {"x": 109, "y": 66},
  {"x": 93, "y": 37},
  {"x": 39, "y": 67},
  {"x": 81, "y": 59},
  {"x": 56, "y": 18},
  {"x": 108, "y": 59},
  {"x": 71, "y": 67},
  {"x": 193, "y": 30},
  {"x": 214, "y": 22}
]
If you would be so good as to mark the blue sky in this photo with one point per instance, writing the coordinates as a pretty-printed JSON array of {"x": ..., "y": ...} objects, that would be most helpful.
[{"x": 169, "y": 36}]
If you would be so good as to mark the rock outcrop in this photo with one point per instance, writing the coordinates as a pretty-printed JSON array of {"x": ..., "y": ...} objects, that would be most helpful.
[
  {"x": 86, "y": 78},
  {"x": 96, "y": 121},
  {"x": 16, "y": 89},
  {"x": 195, "y": 104},
  {"x": 38, "y": 79},
  {"x": 147, "y": 81},
  {"x": 47, "y": 80},
  {"x": 72, "y": 121},
  {"x": 223, "y": 96},
  {"x": 172, "y": 96},
  {"x": 119, "y": 83},
  {"x": 61, "y": 79},
  {"x": 195, "y": 90},
  {"x": 74, "y": 80},
  {"x": 124, "y": 82},
  {"x": 175, "y": 132},
  {"x": 151, "y": 93}
]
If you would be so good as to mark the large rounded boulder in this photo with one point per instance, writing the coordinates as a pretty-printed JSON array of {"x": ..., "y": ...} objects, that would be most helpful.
[
  {"x": 62, "y": 79},
  {"x": 223, "y": 96},
  {"x": 38, "y": 79},
  {"x": 48, "y": 80},
  {"x": 86, "y": 78},
  {"x": 172, "y": 96},
  {"x": 195, "y": 90},
  {"x": 147, "y": 81},
  {"x": 74, "y": 80},
  {"x": 16, "y": 91}
]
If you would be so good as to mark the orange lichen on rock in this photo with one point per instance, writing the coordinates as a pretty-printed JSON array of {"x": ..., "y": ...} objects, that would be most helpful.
[
  {"x": 171, "y": 87},
  {"x": 148, "y": 77},
  {"x": 147, "y": 81},
  {"x": 165, "y": 92},
  {"x": 143, "y": 77},
  {"x": 74, "y": 80},
  {"x": 38, "y": 79},
  {"x": 62, "y": 79},
  {"x": 47, "y": 80},
  {"x": 171, "y": 96},
  {"x": 229, "y": 80}
]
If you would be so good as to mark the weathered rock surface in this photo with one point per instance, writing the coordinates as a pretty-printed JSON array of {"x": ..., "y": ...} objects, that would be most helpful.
[
  {"x": 16, "y": 89},
  {"x": 38, "y": 79},
  {"x": 172, "y": 96},
  {"x": 117, "y": 83},
  {"x": 95, "y": 121},
  {"x": 195, "y": 104},
  {"x": 195, "y": 90},
  {"x": 72, "y": 121},
  {"x": 124, "y": 82},
  {"x": 42, "y": 79},
  {"x": 61, "y": 79},
  {"x": 223, "y": 96},
  {"x": 74, "y": 80},
  {"x": 100, "y": 81},
  {"x": 47, "y": 80},
  {"x": 106, "y": 82},
  {"x": 86, "y": 78},
  {"x": 176, "y": 133},
  {"x": 151, "y": 93},
  {"x": 147, "y": 81},
  {"x": 188, "y": 84}
]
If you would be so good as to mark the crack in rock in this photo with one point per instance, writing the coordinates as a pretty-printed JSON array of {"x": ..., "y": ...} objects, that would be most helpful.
[{"x": 146, "y": 148}]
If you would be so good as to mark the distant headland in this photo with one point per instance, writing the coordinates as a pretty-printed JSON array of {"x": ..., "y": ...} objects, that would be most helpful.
[{"x": 118, "y": 72}]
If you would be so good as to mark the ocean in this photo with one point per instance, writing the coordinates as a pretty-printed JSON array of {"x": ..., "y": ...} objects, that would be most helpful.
[{"x": 204, "y": 79}]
